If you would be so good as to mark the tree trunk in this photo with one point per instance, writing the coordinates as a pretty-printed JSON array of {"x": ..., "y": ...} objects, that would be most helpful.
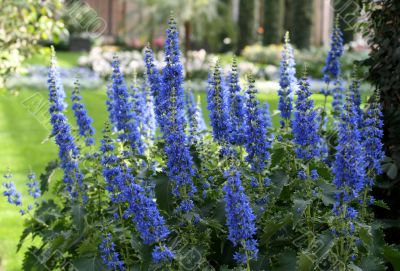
[
  {"x": 274, "y": 12},
  {"x": 303, "y": 12},
  {"x": 246, "y": 24}
]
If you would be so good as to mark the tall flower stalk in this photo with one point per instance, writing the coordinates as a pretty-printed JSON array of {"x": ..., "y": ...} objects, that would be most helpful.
[
  {"x": 237, "y": 116},
  {"x": 349, "y": 178},
  {"x": 126, "y": 119},
  {"x": 257, "y": 143},
  {"x": 331, "y": 71},
  {"x": 179, "y": 161},
  {"x": 287, "y": 82},
  {"x": 217, "y": 105},
  {"x": 83, "y": 120},
  {"x": 305, "y": 124},
  {"x": 68, "y": 151},
  {"x": 239, "y": 219}
]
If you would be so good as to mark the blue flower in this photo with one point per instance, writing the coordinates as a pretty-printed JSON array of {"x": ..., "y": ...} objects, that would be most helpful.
[
  {"x": 218, "y": 107},
  {"x": 239, "y": 216},
  {"x": 162, "y": 254},
  {"x": 109, "y": 255},
  {"x": 149, "y": 119},
  {"x": 82, "y": 119},
  {"x": 266, "y": 115},
  {"x": 338, "y": 98},
  {"x": 179, "y": 161},
  {"x": 12, "y": 194},
  {"x": 331, "y": 70},
  {"x": 349, "y": 164},
  {"x": 110, "y": 106},
  {"x": 237, "y": 113},
  {"x": 314, "y": 175},
  {"x": 302, "y": 175},
  {"x": 156, "y": 87},
  {"x": 372, "y": 134},
  {"x": 126, "y": 119},
  {"x": 257, "y": 144},
  {"x": 195, "y": 117},
  {"x": 68, "y": 152},
  {"x": 305, "y": 125},
  {"x": 33, "y": 186},
  {"x": 287, "y": 81}
]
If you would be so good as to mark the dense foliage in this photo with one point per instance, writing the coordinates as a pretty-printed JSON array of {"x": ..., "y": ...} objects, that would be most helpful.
[
  {"x": 22, "y": 25},
  {"x": 178, "y": 196},
  {"x": 384, "y": 69}
]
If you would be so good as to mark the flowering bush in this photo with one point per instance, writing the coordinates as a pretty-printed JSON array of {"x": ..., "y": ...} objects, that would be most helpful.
[{"x": 241, "y": 195}]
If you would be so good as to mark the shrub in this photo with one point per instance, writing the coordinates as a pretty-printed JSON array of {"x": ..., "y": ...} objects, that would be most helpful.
[{"x": 232, "y": 197}]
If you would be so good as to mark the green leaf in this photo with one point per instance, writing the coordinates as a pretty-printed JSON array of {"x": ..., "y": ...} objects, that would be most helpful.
[
  {"x": 382, "y": 204},
  {"x": 163, "y": 193},
  {"x": 88, "y": 264},
  {"x": 285, "y": 262},
  {"x": 392, "y": 255},
  {"x": 299, "y": 206},
  {"x": 279, "y": 179},
  {"x": 392, "y": 171},
  {"x": 328, "y": 193},
  {"x": 273, "y": 226},
  {"x": 304, "y": 262},
  {"x": 46, "y": 175}
]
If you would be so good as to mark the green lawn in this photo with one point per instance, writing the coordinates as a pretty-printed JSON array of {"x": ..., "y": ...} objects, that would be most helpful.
[{"x": 23, "y": 129}]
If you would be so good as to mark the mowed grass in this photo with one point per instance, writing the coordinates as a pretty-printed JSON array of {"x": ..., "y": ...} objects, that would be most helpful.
[{"x": 24, "y": 127}]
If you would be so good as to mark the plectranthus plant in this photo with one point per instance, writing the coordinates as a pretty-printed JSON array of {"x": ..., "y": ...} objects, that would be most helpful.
[
  {"x": 237, "y": 117},
  {"x": 127, "y": 122},
  {"x": 61, "y": 131},
  {"x": 240, "y": 195},
  {"x": 179, "y": 160},
  {"x": 257, "y": 143},
  {"x": 83, "y": 120},
  {"x": 349, "y": 178},
  {"x": 217, "y": 106},
  {"x": 240, "y": 219},
  {"x": 332, "y": 71},
  {"x": 287, "y": 82},
  {"x": 305, "y": 124}
]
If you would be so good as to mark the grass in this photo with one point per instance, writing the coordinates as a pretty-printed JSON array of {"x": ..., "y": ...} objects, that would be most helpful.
[{"x": 23, "y": 129}]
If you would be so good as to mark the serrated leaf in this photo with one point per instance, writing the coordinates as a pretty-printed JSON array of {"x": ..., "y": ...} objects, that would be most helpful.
[
  {"x": 299, "y": 206},
  {"x": 88, "y": 264},
  {"x": 392, "y": 255},
  {"x": 163, "y": 193},
  {"x": 46, "y": 175},
  {"x": 382, "y": 204},
  {"x": 279, "y": 179},
  {"x": 286, "y": 261},
  {"x": 305, "y": 262},
  {"x": 273, "y": 226}
]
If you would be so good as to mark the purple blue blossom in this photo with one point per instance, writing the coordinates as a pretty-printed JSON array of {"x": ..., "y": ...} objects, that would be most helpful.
[
  {"x": 82, "y": 119},
  {"x": 305, "y": 124},
  {"x": 109, "y": 254},
  {"x": 257, "y": 143},
  {"x": 126, "y": 120},
  {"x": 287, "y": 81},
  {"x": 239, "y": 217},
  {"x": 68, "y": 152},
  {"x": 236, "y": 106},
  {"x": 217, "y": 106}
]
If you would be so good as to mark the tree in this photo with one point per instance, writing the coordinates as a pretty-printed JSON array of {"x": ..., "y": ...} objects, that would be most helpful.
[
  {"x": 303, "y": 11},
  {"x": 22, "y": 25},
  {"x": 246, "y": 23},
  {"x": 274, "y": 13}
]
